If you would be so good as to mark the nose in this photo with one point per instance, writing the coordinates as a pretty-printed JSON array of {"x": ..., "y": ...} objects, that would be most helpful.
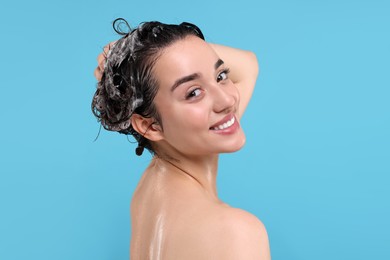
[{"x": 225, "y": 97}]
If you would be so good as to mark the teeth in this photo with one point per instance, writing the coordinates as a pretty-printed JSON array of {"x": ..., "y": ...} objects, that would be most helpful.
[{"x": 225, "y": 125}]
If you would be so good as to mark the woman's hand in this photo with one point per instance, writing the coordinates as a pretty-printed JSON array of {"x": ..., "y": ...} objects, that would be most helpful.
[{"x": 101, "y": 59}]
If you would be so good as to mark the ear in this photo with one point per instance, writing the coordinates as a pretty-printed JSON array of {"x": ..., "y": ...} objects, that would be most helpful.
[{"x": 147, "y": 127}]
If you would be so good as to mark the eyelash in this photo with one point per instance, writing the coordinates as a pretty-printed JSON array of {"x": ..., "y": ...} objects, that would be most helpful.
[
  {"x": 225, "y": 71},
  {"x": 190, "y": 94}
]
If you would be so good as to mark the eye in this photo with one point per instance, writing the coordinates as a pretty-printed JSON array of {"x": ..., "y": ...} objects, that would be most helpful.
[
  {"x": 194, "y": 93},
  {"x": 223, "y": 75}
]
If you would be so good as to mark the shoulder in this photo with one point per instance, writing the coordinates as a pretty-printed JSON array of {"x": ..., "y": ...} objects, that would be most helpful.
[
  {"x": 226, "y": 233},
  {"x": 245, "y": 236}
]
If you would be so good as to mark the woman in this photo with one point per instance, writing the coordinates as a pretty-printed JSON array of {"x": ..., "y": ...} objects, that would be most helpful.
[{"x": 181, "y": 98}]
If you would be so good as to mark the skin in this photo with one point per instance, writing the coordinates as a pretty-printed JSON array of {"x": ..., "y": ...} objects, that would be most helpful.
[{"x": 175, "y": 210}]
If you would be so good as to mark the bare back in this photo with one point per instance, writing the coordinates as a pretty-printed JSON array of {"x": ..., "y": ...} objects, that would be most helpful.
[{"x": 172, "y": 219}]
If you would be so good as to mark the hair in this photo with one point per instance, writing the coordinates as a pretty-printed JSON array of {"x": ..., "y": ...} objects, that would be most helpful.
[{"x": 128, "y": 85}]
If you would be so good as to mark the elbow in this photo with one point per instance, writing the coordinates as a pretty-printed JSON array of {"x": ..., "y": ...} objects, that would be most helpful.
[{"x": 254, "y": 63}]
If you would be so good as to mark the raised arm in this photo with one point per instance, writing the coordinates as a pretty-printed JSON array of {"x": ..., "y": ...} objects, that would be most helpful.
[{"x": 243, "y": 71}]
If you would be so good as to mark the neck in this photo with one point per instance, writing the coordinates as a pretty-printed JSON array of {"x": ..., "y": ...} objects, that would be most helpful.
[{"x": 202, "y": 171}]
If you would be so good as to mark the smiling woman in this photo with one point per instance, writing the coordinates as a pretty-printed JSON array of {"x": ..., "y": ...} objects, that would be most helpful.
[{"x": 182, "y": 99}]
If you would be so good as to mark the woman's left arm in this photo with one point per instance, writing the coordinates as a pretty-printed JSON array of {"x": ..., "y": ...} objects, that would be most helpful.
[{"x": 244, "y": 69}]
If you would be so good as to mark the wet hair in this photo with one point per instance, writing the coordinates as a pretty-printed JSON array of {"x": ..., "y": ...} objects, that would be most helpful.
[{"x": 128, "y": 85}]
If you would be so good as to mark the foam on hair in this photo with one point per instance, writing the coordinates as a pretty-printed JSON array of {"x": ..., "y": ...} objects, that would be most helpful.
[{"x": 128, "y": 85}]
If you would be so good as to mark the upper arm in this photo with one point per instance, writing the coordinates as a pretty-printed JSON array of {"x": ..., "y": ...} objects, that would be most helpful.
[
  {"x": 229, "y": 234},
  {"x": 244, "y": 69},
  {"x": 245, "y": 237},
  {"x": 246, "y": 84}
]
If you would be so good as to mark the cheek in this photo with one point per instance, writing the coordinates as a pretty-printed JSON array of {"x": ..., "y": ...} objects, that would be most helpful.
[
  {"x": 234, "y": 92},
  {"x": 188, "y": 117},
  {"x": 197, "y": 116}
]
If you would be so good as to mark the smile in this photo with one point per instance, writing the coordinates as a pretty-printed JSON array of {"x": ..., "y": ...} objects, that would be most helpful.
[{"x": 224, "y": 125}]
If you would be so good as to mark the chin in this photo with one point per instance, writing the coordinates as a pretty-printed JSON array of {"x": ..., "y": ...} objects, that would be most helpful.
[{"x": 236, "y": 146}]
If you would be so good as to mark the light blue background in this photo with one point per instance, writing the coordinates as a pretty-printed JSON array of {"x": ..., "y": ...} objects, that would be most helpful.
[{"x": 316, "y": 165}]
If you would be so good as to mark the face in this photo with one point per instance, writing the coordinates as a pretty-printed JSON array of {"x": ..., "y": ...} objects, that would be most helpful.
[{"x": 196, "y": 100}]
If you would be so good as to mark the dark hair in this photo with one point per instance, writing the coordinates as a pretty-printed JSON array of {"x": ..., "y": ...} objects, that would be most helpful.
[{"x": 127, "y": 85}]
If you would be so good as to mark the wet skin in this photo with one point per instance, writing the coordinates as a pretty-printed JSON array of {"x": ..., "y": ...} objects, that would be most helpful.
[{"x": 175, "y": 210}]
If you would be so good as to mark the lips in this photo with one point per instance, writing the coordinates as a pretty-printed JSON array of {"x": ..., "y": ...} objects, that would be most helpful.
[{"x": 225, "y": 123}]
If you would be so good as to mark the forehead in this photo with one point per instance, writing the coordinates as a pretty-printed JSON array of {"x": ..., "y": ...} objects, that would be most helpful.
[{"x": 184, "y": 57}]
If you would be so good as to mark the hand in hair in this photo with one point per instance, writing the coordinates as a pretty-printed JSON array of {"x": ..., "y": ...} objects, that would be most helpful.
[{"x": 101, "y": 59}]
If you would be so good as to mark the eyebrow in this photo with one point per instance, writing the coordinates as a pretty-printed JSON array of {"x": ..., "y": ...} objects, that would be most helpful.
[
  {"x": 193, "y": 76},
  {"x": 218, "y": 64}
]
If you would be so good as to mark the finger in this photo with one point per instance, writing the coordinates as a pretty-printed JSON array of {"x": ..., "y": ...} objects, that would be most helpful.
[
  {"x": 98, "y": 74},
  {"x": 101, "y": 60},
  {"x": 103, "y": 56},
  {"x": 111, "y": 44},
  {"x": 108, "y": 47}
]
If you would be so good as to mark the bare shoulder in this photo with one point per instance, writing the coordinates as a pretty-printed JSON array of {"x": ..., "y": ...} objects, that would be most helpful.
[
  {"x": 241, "y": 218},
  {"x": 224, "y": 233},
  {"x": 245, "y": 236}
]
